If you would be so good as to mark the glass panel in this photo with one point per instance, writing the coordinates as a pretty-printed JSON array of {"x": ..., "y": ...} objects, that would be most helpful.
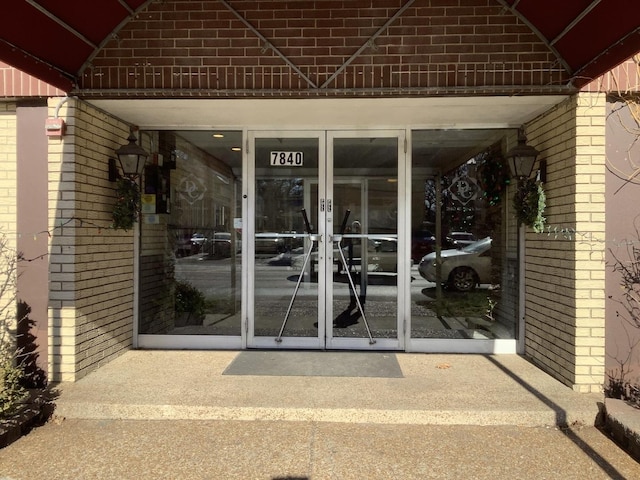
[
  {"x": 286, "y": 182},
  {"x": 471, "y": 292},
  {"x": 191, "y": 236},
  {"x": 366, "y": 184}
]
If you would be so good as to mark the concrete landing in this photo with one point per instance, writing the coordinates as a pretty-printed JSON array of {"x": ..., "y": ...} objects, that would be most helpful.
[{"x": 434, "y": 389}]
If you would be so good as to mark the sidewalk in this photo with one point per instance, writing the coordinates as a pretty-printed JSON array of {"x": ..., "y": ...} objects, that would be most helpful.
[{"x": 177, "y": 414}]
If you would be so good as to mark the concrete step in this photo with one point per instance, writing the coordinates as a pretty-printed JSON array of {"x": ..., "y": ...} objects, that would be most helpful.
[{"x": 432, "y": 389}]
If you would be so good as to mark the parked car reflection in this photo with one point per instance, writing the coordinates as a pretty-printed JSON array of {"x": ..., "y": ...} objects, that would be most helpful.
[
  {"x": 269, "y": 242},
  {"x": 422, "y": 243},
  {"x": 462, "y": 269},
  {"x": 382, "y": 256},
  {"x": 222, "y": 244},
  {"x": 198, "y": 239},
  {"x": 459, "y": 239}
]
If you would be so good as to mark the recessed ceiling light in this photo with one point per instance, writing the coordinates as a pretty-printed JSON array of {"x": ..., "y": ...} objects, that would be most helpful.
[
  {"x": 236, "y": 149},
  {"x": 218, "y": 135}
]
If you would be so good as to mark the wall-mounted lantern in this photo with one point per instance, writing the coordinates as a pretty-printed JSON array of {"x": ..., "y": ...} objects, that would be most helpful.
[
  {"x": 521, "y": 158},
  {"x": 132, "y": 157}
]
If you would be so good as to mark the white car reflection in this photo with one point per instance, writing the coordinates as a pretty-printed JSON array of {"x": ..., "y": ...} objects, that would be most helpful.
[
  {"x": 462, "y": 269},
  {"x": 382, "y": 256}
]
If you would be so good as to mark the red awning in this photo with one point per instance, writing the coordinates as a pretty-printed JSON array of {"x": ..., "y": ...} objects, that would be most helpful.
[
  {"x": 55, "y": 40},
  {"x": 589, "y": 36}
]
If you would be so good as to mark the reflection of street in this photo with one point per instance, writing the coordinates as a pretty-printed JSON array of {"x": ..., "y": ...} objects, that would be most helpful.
[
  {"x": 209, "y": 275},
  {"x": 462, "y": 314},
  {"x": 213, "y": 278},
  {"x": 275, "y": 281}
]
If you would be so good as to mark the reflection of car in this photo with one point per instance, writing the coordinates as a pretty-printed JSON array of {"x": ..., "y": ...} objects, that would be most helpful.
[
  {"x": 382, "y": 256},
  {"x": 293, "y": 239},
  {"x": 422, "y": 243},
  {"x": 460, "y": 239},
  {"x": 198, "y": 239},
  {"x": 222, "y": 244},
  {"x": 461, "y": 269},
  {"x": 183, "y": 245},
  {"x": 269, "y": 242}
]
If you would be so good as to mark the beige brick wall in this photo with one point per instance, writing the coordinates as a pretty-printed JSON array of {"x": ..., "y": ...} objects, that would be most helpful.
[
  {"x": 8, "y": 218},
  {"x": 8, "y": 168},
  {"x": 91, "y": 286},
  {"x": 565, "y": 270}
]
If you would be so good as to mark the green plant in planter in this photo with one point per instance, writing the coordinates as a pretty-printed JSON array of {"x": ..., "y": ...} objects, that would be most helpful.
[
  {"x": 190, "y": 303},
  {"x": 529, "y": 203},
  {"x": 127, "y": 206}
]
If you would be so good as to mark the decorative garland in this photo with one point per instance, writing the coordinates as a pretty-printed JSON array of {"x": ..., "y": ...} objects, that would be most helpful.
[
  {"x": 493, "y": 177},
  {"x": 127, "y": 206},
  {"x": 529, "y": 203}
]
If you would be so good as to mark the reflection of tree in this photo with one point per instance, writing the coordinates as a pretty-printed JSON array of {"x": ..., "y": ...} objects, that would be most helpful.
[
  {"x": 278, "y": 201},
  {"x": 430, "y": 201}
]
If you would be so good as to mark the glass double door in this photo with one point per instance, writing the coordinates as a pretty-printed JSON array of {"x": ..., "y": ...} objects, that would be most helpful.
[{"x": 323, "y": 228}]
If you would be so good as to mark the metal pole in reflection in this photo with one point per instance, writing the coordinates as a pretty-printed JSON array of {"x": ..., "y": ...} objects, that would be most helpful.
[
  {"x": 348, "y": 270},
  {"x": 304, "y": 268}
]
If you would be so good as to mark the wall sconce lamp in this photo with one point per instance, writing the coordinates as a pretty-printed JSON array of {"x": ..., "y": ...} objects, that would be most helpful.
[
  {"x": 131, "y": 157},
  {"x": 522, "y": 157}
]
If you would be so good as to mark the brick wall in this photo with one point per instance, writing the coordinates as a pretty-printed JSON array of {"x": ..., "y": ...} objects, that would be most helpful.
[
  {"x": 14, "y": 83},
  {"x": 620, "y": 80},
  {"x": 564, "y": 278},
  {"x": 8, "y": 216},
  {"x": 269, "y": 47},
  {"x": 8, "y": 167},
  {"x": 91, "y": 272}
]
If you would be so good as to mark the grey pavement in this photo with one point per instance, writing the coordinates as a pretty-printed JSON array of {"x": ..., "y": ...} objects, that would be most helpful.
[{"x": 176, "y": 414}]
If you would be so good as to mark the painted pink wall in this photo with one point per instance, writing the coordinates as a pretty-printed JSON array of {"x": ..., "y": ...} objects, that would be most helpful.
[{"x": 622, "y": 237}]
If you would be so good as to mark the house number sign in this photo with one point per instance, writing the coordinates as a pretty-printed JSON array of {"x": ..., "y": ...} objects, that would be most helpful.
[{"x": 286, "y": 159}]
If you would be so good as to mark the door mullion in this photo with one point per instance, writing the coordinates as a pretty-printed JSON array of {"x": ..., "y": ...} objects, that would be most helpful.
[{"x": 326, "y": 285}]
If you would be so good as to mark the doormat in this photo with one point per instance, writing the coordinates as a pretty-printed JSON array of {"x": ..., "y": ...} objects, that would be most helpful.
[{"x": 315, "y": 364}]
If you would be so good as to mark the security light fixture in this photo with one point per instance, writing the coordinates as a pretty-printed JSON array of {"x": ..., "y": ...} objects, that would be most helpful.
[
  {"x": 522, "y": 157},
  {"x": 132, "y": 157}
]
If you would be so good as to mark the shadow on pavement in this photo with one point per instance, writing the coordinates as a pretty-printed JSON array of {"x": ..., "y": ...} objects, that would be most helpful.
[{"x": 561, "y": 422}]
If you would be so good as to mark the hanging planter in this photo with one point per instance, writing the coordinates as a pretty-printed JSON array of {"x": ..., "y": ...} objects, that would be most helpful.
[
  {"x": 529, "y": 203},
  {"x": 127, "y": 206}
]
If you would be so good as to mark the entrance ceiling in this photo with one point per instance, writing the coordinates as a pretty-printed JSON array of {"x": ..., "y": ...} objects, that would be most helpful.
[
  {"x": 55, "y": 40},
  {"x": 446, "y": 131}
]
